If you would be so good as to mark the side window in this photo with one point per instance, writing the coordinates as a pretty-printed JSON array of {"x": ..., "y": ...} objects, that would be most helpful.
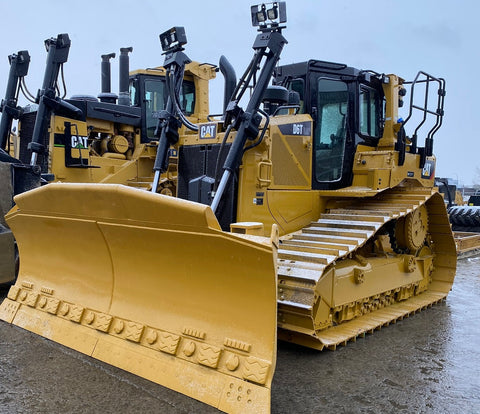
[
  {"x": 331, "y": 129},
  {"x": 154, "y": 102},
  {"x": 187, "y": 98},
  {"x": 133, "y": 92},
  {"x": 370, "y": 113}
]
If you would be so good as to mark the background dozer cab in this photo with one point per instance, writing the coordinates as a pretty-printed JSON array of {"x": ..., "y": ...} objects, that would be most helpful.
[{"x": 184, "y": 290}]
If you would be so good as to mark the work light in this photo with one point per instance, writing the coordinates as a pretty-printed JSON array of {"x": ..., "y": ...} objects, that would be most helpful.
[
  {"x": 174, "y": 38},
  {"x": 269, "y": 14}
]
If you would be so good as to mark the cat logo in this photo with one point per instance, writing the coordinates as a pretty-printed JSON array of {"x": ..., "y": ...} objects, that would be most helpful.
[
  {"x": 79, "y": 142},
  {"x": 207, "y": 131},
  {"x": 428, "y": 170}
]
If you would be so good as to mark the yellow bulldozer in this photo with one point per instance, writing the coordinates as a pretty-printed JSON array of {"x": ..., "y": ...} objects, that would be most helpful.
[
  {"x": 109, "y": 139},
  {"x": 311, "y": 210}
]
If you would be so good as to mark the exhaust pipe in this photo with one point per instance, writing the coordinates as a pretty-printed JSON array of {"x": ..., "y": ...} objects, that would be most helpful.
[
  {"x": 230, "y": 80},
  {"x": 106, "y": 76},
  {"x": 123, "y": 95},
  {"x": 107, "y": 95}
]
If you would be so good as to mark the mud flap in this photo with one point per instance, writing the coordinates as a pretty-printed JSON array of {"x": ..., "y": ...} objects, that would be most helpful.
[{"x": 150, "y": 284}]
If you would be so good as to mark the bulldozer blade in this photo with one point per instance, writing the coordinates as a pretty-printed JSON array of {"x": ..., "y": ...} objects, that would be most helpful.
[{"x": 150, "y": 284}]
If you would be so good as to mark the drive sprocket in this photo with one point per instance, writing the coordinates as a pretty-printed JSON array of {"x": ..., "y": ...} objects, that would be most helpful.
[{"x": 412, "y": 231}]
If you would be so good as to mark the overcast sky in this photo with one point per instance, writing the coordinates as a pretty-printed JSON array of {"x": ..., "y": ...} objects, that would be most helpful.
[{"x": 390, "y": 36}]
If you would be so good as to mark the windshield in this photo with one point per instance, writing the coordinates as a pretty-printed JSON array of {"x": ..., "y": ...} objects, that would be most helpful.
[{"x": 330, "y": 134}]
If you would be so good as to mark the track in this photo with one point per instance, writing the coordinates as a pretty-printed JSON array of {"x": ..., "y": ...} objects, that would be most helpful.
[{"x": 341, "y": 277}]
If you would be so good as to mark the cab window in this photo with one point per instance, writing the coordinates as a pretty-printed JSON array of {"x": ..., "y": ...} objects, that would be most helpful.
[
  {"x": 370, "y": 116},
  {"x": 331, "y": 129},
  {"x": 133, "y": 92},
  {"x": 156, "y": 97},
  {"x": 187, "y": 98},
  {"x": 154, "y": 101}
]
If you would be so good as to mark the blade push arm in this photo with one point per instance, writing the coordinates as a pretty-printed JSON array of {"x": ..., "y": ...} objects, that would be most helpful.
[
  {"x": 269, "y": 44},
  {"x": 18, "y": 69},
  {"x": 168, "y": 124},
  {"x": 48, "y": 102}
]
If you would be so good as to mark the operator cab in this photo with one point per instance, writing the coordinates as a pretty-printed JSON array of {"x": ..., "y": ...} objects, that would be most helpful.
[
  {"x": 347, "y": 107},
  {"x": 148, "y": 91}
]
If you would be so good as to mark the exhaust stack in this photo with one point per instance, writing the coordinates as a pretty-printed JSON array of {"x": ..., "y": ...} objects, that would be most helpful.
[
  {"x": 230, "y": 80},
  {"x": 106, "y": 95},
  {"x": 123, "y": 94}
]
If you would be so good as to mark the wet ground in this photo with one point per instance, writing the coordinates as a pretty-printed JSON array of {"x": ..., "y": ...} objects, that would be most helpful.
[{"x": 428, "y": 363}]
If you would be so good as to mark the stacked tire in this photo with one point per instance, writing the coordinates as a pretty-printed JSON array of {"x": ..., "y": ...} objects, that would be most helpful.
[{"x": 465, "y": 218}]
